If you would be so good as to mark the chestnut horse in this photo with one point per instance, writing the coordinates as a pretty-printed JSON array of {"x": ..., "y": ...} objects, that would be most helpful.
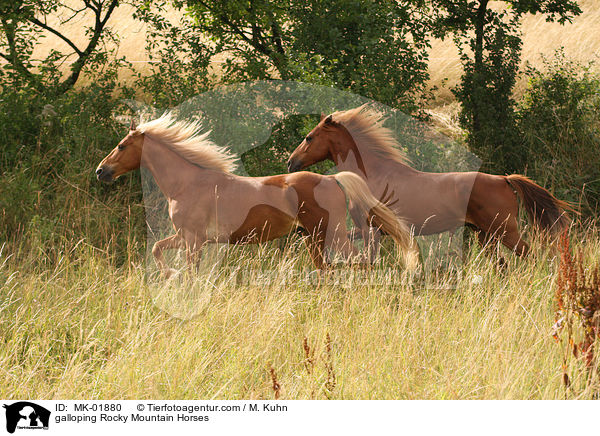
[
  {"x": 355, "y": 140},
  {"x": 208, "y": 203}
]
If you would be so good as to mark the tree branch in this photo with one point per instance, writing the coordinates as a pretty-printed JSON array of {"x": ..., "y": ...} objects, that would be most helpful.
[
  {"x": 90, "y": 6},
  {"x": 235, "y": 29},
  {"x": 75, "y": 13},
  {"x": 99, "y": 25},
  {"x": 277, "y": 37},
  {"x": 274, "y": 52},
  {"x": 110, "y": 10},
  {"x": 57, "y": 33}
]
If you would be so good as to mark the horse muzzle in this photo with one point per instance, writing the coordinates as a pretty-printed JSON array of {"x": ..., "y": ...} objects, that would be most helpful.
[
  {"x": 294, "y": 165},
  {"x": 105, "y": 174}
]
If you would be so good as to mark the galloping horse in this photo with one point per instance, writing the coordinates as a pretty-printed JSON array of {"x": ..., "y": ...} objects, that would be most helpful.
[
  {"x": 208, "y": 203},
  {"x": 355, "y": 140}
]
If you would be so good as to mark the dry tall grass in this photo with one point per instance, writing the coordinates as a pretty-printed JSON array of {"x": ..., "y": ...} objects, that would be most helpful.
[{"x": 88, "y": 330}]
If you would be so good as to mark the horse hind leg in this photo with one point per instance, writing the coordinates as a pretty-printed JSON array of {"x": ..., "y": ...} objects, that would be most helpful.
[
  {"x": 370, "y": 235},
  {"x": 336, "y": 235},
  {"x": 372, "y": 238},
  {"x": 322, "y": 245},
  {"x": 344, "y": 246},
  {"x": 487, "y": 242},
  {"x": 315, "y": 249},
  {"x": 511, "y": 238},
  {"x": 504, "y": 224},
  {"x": 508, "y": 235}
]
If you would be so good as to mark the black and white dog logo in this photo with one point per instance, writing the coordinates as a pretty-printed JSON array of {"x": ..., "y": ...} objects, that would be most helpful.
[{"x": 26, "y": 415}]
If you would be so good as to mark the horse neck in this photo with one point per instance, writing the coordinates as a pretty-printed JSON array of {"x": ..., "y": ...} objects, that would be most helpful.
[
  {"x": 348, "y": 156},
  {"x": 171, "y": 172}
]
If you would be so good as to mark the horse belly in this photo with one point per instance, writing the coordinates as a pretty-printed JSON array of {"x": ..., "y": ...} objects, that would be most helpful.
[{"x": 263, "y": 223}]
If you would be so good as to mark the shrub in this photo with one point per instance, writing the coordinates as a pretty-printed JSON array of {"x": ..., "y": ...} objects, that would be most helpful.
[
  {"x": 559, "y": 119},
  {"x": 49, "y": 196}
]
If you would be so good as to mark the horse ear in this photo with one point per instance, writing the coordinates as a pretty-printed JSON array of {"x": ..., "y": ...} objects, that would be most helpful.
[
  {"x": 329, "y": 120},
  {"x": 132, "y": 126}
]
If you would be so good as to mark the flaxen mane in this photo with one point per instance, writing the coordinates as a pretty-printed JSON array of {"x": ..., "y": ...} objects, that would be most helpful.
[
  {"x": 366, "y": 127},
  {"x": 184, "y": 138}
]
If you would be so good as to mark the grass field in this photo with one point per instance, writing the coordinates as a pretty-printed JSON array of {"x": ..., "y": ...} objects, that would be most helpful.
[
  {"x": 85, "y": 329},
  {"x": 78, "y": 321}
]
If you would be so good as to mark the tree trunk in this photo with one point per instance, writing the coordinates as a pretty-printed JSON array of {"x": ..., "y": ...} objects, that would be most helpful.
[{"x": 478, "y": 74}]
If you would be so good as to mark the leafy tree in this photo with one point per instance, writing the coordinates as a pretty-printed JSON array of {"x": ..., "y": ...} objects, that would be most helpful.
[
  {"x": 23, "y": 23},
  {"x": 179, "y": 57},
  {"x": 377, "y": 49},
  {"x": 252, "y": 31},
  {"x": 490, "y": 48}
]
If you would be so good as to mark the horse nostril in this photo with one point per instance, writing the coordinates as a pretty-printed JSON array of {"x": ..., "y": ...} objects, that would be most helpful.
[
  {"x": 99, "y": 171},
  {"x": 293, "y": 165}
]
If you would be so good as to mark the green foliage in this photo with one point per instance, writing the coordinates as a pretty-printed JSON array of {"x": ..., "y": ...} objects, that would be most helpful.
[
  {"x": 49, "y": 196},
  {"x": 377, "y": 49},
  {"x": 179, "y": 58},
  {"x": 254, "y": 31},
  {"x": 22, "y": 25},
  {"x": 271, "y": 157},
  {"x": 485, "y": 92},
  {"x": 489, "y": 42},
  {"x": 559, "y": 119}
]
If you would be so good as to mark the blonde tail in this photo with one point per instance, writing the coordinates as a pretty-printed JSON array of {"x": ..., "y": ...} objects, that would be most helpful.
[{"x": 380, "y": 215}]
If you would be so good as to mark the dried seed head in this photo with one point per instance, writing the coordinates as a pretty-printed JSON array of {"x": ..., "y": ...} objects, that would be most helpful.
[{"x": 275, "y": 384}]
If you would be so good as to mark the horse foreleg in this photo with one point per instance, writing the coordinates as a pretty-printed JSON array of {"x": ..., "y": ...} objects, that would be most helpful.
[
  {"x": 173, "y": 241},
  {"x": 193, "y": 253}
]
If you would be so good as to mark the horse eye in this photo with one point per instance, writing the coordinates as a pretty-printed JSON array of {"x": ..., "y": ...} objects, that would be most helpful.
[
  {"x": 309, "y": 138},
  {"x": 121, "y": 147}
]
